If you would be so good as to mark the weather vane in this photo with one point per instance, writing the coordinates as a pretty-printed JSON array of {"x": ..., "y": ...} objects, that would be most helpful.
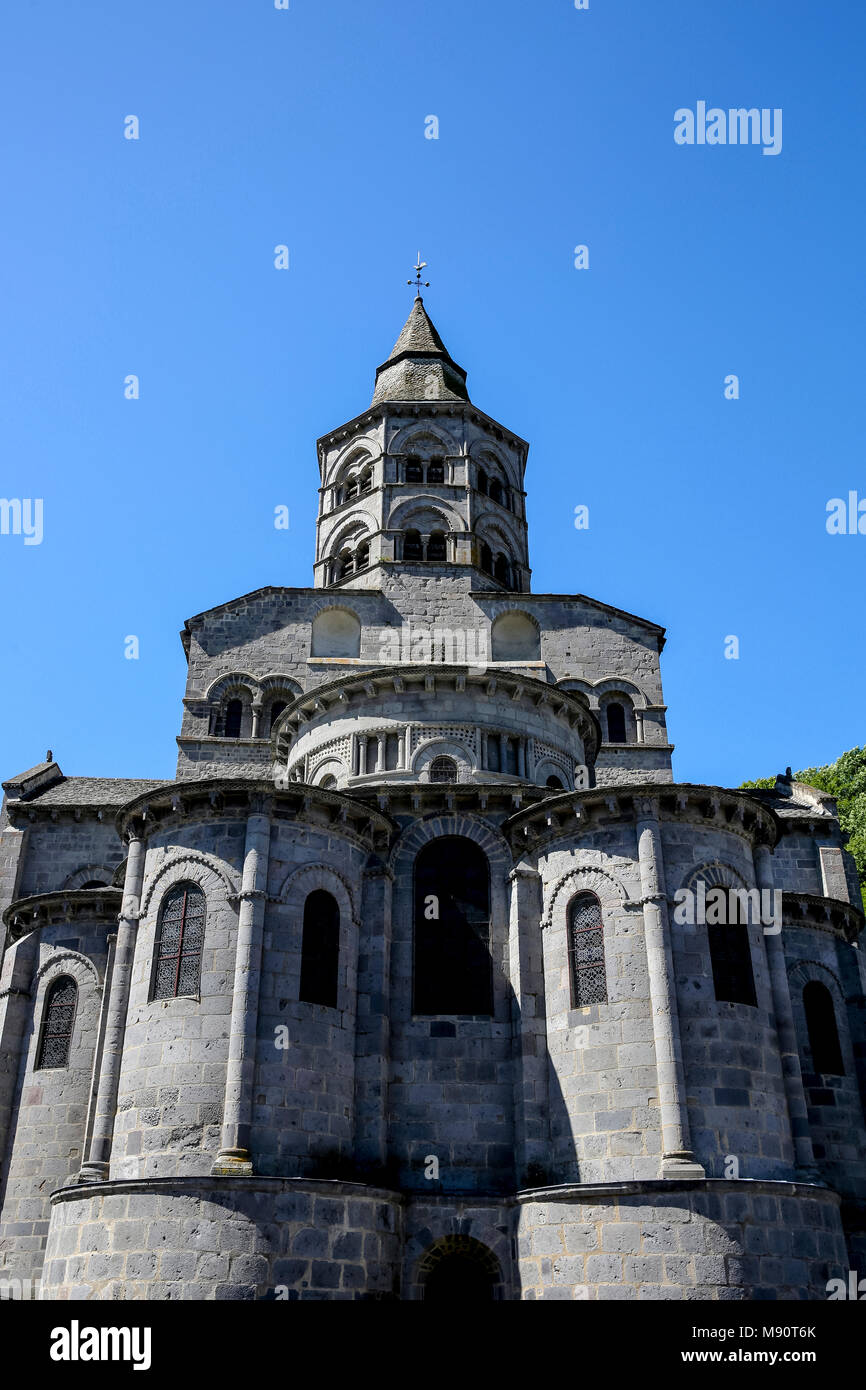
[{"x": 418, "y": 282}]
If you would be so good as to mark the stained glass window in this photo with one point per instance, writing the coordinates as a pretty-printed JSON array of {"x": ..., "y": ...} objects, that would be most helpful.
[
  {"x": 179, "y": 942},
  {"x": 586, "y": 951},
  {"x": 56, "y": 1040}
]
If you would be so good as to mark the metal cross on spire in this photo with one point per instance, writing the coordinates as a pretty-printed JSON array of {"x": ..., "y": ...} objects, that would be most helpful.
[{"x": 418, "y": 282}]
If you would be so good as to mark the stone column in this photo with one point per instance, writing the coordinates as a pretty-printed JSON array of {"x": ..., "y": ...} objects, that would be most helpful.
[
  {"x": 257, "y": 715},
  {"x": 100, "y": 1039},
  {"x": 96, "y": 1167},
  {"x": 531, "y": 1108},
  {"x": 407, "y": 748},
  {"x": 381, "y": 759},
  {"x": 16, "y": 1005},
  {"x": 372, "y": 1027},
  {"x": 483, "y": 749},
  {"x": 521, "y": 758},
  {"x": 678, "y": 1160},
  {"x": 503, "y": 752},
  {"x": 356, "y": 754},
  {"x": 234, "y": 1157},
  {"x": 638, "y": 723},
  {"x": 362, "y": 755},
  {"x": 789, "y": 1053}
]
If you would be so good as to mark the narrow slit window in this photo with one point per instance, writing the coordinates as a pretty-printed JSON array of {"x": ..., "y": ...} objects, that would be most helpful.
[
  {"x": 615, "y": 723},
  {"x": 822, "y": 1029},
  {"x": 234, "y": 715},
  {"x": 320, "y": 950}
]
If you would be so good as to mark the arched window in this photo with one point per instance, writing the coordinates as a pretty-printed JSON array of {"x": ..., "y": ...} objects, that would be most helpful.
[
  {"x": 495, "y": 491},
  {"x": 328, "y": 783},
  {"x": 276, "y": 710},
  {"x": 486, "y": 558},
  {"x": 362, "y": 557},
  {"x": 345, "y": 564},
  {"x": 436, "y": 546},
  {"x": 412, "y": 546},
  {"x": 586, "y": 951},
  {"x": 320, "y": 950},
  {"x": 179, "y": 942},
  {"x": 482, "y": 481},
  {"x": 555, "y": 784},
  {"x": 436, "y": 471},
  {"x": 56, "y": 1040},
  {"x": 500, "y": 569},
  {"x": 234, "y": 715},
  {"x": 352, "y": 489},
  {"x": 414, "y": 470},
  {"x": 453, "y": 972},
  {"x": 94, "y": 883},
  {"x": 823, "y": 1032},
  {"x": 367, "y": 481},
  {"x": 731, "y": 958},
  {"x": 615, "y": 722},
  {"x": 443, "y": 770}
]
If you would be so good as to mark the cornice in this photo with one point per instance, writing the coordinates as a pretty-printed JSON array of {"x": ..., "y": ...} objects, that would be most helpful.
[
  {"x": 822, "y": 914},
  {"x": 241, "y": 797},
  {"x": 385, "y": 680},
  {"x": 571, "y": 814},
  {"x": 66, "y": 906}
]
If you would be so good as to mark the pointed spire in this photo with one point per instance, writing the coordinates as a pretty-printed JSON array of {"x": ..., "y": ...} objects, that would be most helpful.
[{"x": 420, "y": 368}]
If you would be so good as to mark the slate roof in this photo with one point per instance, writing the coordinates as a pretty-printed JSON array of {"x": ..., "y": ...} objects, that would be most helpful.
[
  {"x": 787, "y": 807},
  {"x": 420, "y": 368},
  {"x": 95, "y": 791}
]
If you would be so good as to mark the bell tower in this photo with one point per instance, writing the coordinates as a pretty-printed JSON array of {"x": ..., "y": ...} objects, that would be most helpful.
[{"x": 422, "y": 485}]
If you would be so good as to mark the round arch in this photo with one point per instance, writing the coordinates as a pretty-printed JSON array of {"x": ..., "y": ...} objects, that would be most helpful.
[
  {"x": 458, "y": 1268},
  {"x": 426, "y": 439},
  {"x": 194, "y": 866},
  {"x": 350, "y": 453}
]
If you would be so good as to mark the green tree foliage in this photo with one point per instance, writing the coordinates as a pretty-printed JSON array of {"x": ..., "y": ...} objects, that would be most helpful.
[{"x": 846, "y": 781}]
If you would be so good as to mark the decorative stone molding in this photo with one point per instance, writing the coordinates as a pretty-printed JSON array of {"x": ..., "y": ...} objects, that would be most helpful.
[
  {"x": 822, "y": 914},
  {"x": 82, "y": 962},
  {"x": 240, "y": 681},
  {"x": 605, "y": 686},
  {"x": 415, "y": 679},
  {"x": 89, "y": 905},
  {"x": 714, "y": 874},
  {"x": 170, "y": 806},
  {"x": 88, "y": 872},
  {"x": 567, "y": 814},
  {"x": 802, "y": 971},
  {"x": 589, "y": 878},
  {"x": 306, "y": 878},
  {"x": 204, "y": 869},
  {"x": 440, "y": 824}
]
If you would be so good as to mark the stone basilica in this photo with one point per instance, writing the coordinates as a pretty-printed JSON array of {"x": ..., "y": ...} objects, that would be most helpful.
[{"x": 388, "y": 994}]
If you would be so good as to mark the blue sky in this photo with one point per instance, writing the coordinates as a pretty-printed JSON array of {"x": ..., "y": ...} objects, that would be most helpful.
[{"x": 260, "y": 127}]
